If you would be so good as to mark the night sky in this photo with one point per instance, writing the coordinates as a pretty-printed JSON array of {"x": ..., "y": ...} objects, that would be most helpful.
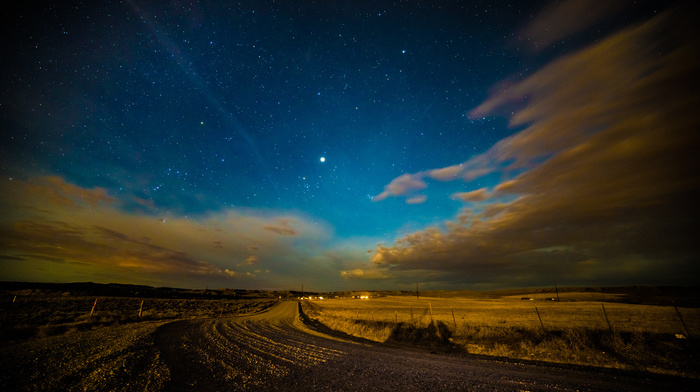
[{"x": 350, "y": 145}]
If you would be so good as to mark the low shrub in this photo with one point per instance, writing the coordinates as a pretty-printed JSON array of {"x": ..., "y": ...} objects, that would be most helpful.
[{"x": 434, "y": 332}]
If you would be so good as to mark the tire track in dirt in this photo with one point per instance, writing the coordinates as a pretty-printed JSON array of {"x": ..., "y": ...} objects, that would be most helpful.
[{"x": 238, "y": 353}]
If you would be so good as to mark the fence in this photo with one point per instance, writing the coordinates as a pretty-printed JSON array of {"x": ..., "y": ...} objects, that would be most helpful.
[{"x": 548, "y": 315}]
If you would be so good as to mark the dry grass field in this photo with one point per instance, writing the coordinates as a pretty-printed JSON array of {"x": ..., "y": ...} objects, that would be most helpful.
[
  {"x": 31, "y": 316},
  {"x": 587, "y": 328}
]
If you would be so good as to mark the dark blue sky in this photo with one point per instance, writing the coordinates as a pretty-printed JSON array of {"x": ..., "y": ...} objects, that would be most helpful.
[
  {"x": 217, "y": 113},
  {"x": 238, "y": 103}
]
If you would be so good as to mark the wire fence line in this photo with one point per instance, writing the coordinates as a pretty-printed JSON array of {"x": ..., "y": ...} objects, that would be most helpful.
[{"x": 549, "y": 316}]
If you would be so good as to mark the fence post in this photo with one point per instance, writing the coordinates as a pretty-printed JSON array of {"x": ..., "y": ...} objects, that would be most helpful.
[
  {"x": 431, "y": 311},
  {"x": 141, "y": 309},
  {"x": 411, "y": 310},
  {"x": 93, "y": 308},
  {"x": 682, "y": 322},
  {"x": 397, "y": 316},
  {"x": 606, "y": 318},
  {"x": 538, "y": 316},
  {"x": 453, "y": 316}
]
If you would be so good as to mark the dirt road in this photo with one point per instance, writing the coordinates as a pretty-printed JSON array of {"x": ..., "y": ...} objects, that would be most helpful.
[{"x": 276, "y": 351}]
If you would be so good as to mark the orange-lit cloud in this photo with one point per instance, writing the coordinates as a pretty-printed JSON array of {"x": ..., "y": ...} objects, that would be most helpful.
[
  {"x": 72, "y": 233},
  {"x": 419, "y": 199},
  {"x": 365, "y": 274},
  {"x": 401, "y": 186},
  {"x": 281, "y": 227},
  {"x": 447, "y": 173},
  {"x": 250, "y": 260},
  {"x": 235, "y": 274},
  {"x": 605, "y": 180},
  {"x": 62, "y": 193},
  {"x": 477, "y": 195}
]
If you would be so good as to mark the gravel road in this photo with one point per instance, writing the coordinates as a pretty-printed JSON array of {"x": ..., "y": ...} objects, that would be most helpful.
[{"x": 277, "y": 351}]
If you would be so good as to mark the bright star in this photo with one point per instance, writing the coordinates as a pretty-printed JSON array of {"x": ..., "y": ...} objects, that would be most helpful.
[{"x": 323, "y": 159}]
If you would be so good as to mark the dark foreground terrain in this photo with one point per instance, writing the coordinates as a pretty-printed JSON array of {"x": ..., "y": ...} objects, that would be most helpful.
[{"x": 278, "y": 350}]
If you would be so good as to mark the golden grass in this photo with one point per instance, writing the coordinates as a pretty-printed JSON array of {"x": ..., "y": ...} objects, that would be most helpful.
[{"x": 643, "y": 337}]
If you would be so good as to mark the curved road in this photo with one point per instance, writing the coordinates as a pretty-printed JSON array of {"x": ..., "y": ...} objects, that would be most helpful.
[{"x": 275, "y": 350}]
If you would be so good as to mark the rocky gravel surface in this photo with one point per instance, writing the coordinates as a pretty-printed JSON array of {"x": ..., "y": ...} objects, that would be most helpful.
[
  {"x": 120, "y": 358},
  {"x": 279, "y": 351}
]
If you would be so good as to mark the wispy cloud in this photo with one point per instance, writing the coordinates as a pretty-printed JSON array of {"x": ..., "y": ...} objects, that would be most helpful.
[
  {"x": 477, "y": 195},
  {"x": 447, "y": 173},
  {"x": 402, "y": 185},
  {"x": 250, "y": 260},
  {"x": 603, "y": 177},
  {"x": 365, "y": 274},
  {"x": 419, "y": 199},
  {"x": 281, "y": 227},
  {"x": 560, "y": 20}
]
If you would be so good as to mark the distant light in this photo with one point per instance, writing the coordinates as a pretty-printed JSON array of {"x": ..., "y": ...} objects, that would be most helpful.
[{"x": 323, "y": 159}]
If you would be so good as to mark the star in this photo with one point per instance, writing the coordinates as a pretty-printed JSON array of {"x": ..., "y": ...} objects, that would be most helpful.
[{"x": 323, "y": 159}]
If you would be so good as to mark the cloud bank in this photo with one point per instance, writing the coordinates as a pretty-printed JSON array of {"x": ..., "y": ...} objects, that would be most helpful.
[
  {"x": 599, "y": 187},
  {"x": 57, "y": 231}
]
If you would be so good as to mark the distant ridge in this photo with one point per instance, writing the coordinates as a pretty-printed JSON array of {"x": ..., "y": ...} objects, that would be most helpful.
[
  {"x": 647, "y": 295},
  {"x": 130, "y": 290}
]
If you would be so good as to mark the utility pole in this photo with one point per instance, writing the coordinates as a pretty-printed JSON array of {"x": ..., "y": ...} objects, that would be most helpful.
[{"x": 417, "y": 290}]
